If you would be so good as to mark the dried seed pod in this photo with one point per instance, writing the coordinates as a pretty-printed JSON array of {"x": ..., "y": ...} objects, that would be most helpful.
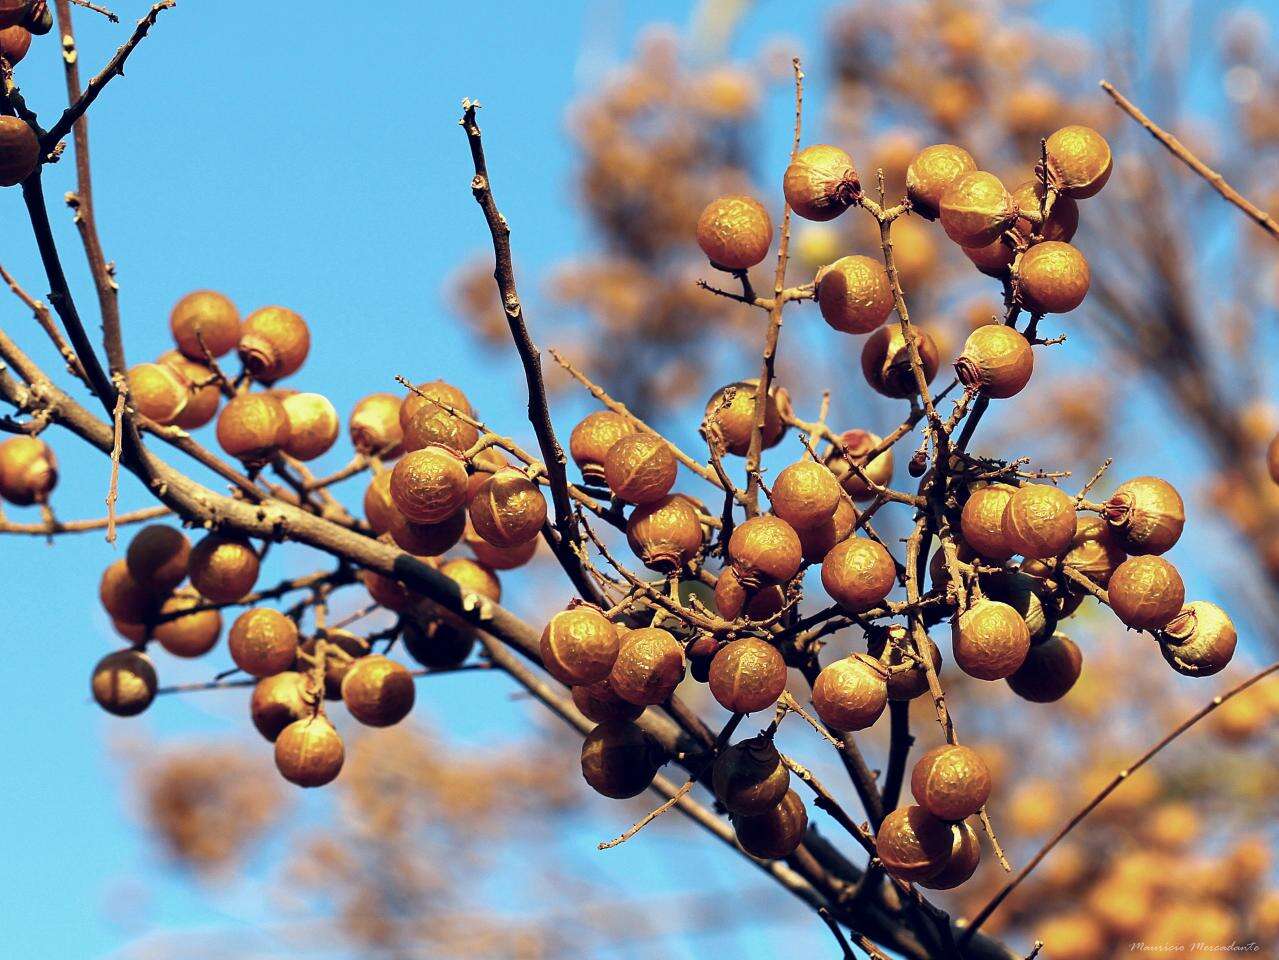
[
  {"x": 203, "y": 395},
  {"x": 850, "y": 694},
  {"x": 732, "y": 412},
  {"x": 1049, "y": 671},
  {"x": 1200, "y": 640},
  {"x": 889, "y": 646},
  {"x": 806, "y": 494},
  {"x": 932, "y": 172},
  {"x": 913, "y": 845},
  {"x": 951, "y": 782},
  {"x": 309, "y": 752},
  {"x": 158, "y": 392},
  {"x": 1095, "y": 550},
  {"x": 732, "y": 600},
  {"x": 886, "y": 361},
  {"x": 1146, "y": 592},
  {"x": 665, "y": 535},
  {"x": 429, "y": 485},
  {"x": 28, "y": 471},
  {"x": 378, "y": 691},
  {"x": 858, "y": 445},
  {"x": 619, "y": 760},
  {"x": 15, "y": 41},
  {"x": 993, "y": 259},
  {"x": 124, "y": 682},
  {"x": 1026, "y": 594},
  {"x": 821, "y": 183},
  {"x": 982, "y": 521},
  {"x": 508, "y": 509},
  {"x": 499, "y": 558},
  {"x": 776, "y": 832},
  {"x": 749, "y": 777},
  {"x": 19, "y": 151},
  {"x": 854, "y": 294},
  {"x": 473, "y": 577},
  {"x": 279, "y": 700},
  {"x": 734, "y": 232},
  {"x": 427, "y": 539},
  {"x": 816, "y": 542},
  {"x": 205, "y": 324},
  {"x": 976, "y": 208},
  {"x": 435, "y": 426},
  {"x": 253, "y": 428},
  {"x": 263, "y": 641},
  {"x": 223, "y": 568},
  {"x": 440, "y": 644},
  {"x": 375, "y": 427},
  {"x": 433, "y": 395},
  {"x": 189, "y": 635},
  {"x": 990, "y": 640},
  {"x": 335, "y": 667},
  {"x": 1079, "y": 161},
  {"x": 313, "y": 425},
  {"x": 593, "y": 438},
  {"x": 580, "y": 645},
  {"x": 747, "y": 675},
  {"x": 764, "y": 550},
  {"x": 1051, "y": 277},
  {"x": 640, "y": 468},
  {"x": 1063, "y": 218},
  {"x": 649, "y": 666},
  {"x": 125, "y": 597},
  {"x": 858, "y": 574},
  {"x": 1147, "y": 514},
  {"x": 274, "y": 343},
  {"x": 600, "y": 703},
  {"x": 157, "y": 557},
  {"x": 1039, "y": 521},
  {"x": 965, "y": 855},
  {"x": 997, "y": 361}
]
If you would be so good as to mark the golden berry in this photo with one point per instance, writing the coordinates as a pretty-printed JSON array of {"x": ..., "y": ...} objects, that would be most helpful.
[
  {"x": 850, "y": 694},
  {"x": 776, "y": 832},
  {"x": 263, "y": 641},
  {"x": 1063, "y": 218},
  {"x": 734, "y": 232},
  {"x": 976, "y": 208},
  {"x": 433, "y": 395},
  {"x": 203, "y": 395},
  {"x": 982, "y": 521},
  {"x": 732, "y": 412},
  {"x": 1146, "y": 592},
  {"x": 640, "y": 468},
  {"x": 190, "y": 634},
  {"x": 1147, "y": 514},
  {"x": 205, "y": 324},
  {"x": 764, "y": 550},
  {"x": 124, "y": 682},
  {"x": 309, "y": 752},
  {"x": 886, "y": 361},
  {"x": 816, "y": 542},
  {"x": 600, "y": 703},
  {"x": 158, "y": 392},
  {"x": 997, "y": 361},
  {"x": 619, "y": 760},
  {"x": 434, "y": 426},
  {"x": 857, "y": 446},
  {"x": 508, "y": 509},
  {"x": 1039, "y": 521},
  {"x": 821, "y": 183},
  {"x": 223, "y": 568},
  {"x": 665, "y": 535},
  {"x": 951, "y": 782},
  {"x": 593, "y": 438},
  {"x": 19, "y": 151},
  {"x": 253, "y": 428},
  {"x": 965, "y": 855},
  {"x": 747, "y": 675},
  {"x": 580, "y": 645},
  {"x": 749, "y": 777},
  {"x": 732, "y": 600},
  {"x": 806, "y": 494},
  {"x": 429, "y": 485},
  {"x": 1079, "y": 161},
  {"x": 313, "y": 425},
  {"x": 157, "y": 557},
  {"x": 858, "y": 574},
  {"x": 932, "y": 172},
  {"x": 473, "y": 577},
  {"x": 990, "y": 640},
  {"x": 125, "y": 597},
  {"x": 375, "y": 427},
  {"x": 1200, "y": 640},
  {"x": 854, "y": 294},
  {"x": 913, "y": 845},
  {"x": 649, "y": 666},
  {"x": 378, "y": 691},
  {"x": 274, "y": 343},
  {"x": 1049, "y": 671},
  {"x": 1051, "y": 277},
  {"x": 278, "y": 701},
  {"x": 1095, "y": 550}
]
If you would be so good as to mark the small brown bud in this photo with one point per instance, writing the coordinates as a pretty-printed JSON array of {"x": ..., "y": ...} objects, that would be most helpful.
[
  {"x": 649, "y": 666},
  {"x": 913, "y": 845},
  {"x": 732, "y": 412},
  {"x": 378, "y": 691},
  {"x": 996, "y": 360},
  {"x": 28, "y": 471},
  {"x": 666, "y": 534},
  {"x": 1079, "y": 161},
  {"x": 263, "y": 641},
  {"x": 776, "y": 832},
  {"x": 858, "y": 574},
  {"x": 932, "y": 172},
  {"x": 1039, "y": 521},
  {"x": 223, "y": 568},
  {"x": 951, "y": 782},
  {"x": 735, "y": 232},
  {"x": 593, "y": 438},
  {"x": 508, "y": 509},
  {"x": 1200, "y": 640},
  {"x": 749, "y": 777},
  {"x": 208, "y": 316},
  {"x": 157, "y": 557},
  {"x": 990, "y": 640},
  {"x": 280, "y": 700},
  {"x": 600, "y": 703},
  {"x": 1049, "y": 671},
  {"x": 1147, "y": 514},
  {"x": 313, "y": 425},
  {"x": 850, "y": 694},
  {"x": 158, "y": 392},
  {"x": 309, "y": 752},
  {"x": 854, "y": 294},
  {"x": 19, "y": 151},
  {"x": 747, "y": 675},
  {"x": 274, "y": 343},
  {"x": 976, "y": 208},
  {"x": 764, "y": 550},
  {"x": 640, "y": 468},
  {"x": 1051, "y": 277},
  {"x": 124, "y": 682},
  {"x": 619, "y": 760},
  {"x": 192, "y": 634},
  {"x": 429, "y": 485},
  {"x": 886, "y": 361},
  {"x": 1146, "y": 592},
  {"x": 821, "y": 183},
  {"x": 580, "y": 646},
  {"x": 253, "y": 428}
]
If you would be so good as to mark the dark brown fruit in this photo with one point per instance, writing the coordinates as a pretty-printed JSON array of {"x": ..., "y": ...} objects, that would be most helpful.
[
  {"x": 599, "y": 702},
  {"x": 913, "y": 845},
  {"x": 858, "y": 574},
  {"x": 19, "y": 151},
  {"x": 649, "y": 666},
  {"x": 619, "y": 760},
  {"x": 965, "y": 855},
  {"x": 439, "y": 645},
  {"x": 886, "y": 361},
  {"x": 157, "y": 557},
  {"x": 1146, "y": 592},
  {"x": 223, "y": 568},
  {"x": 309, "y": 752},
  {"x": 378, "y": 691},
  {"x": 1049, "y": 671},
  {"x": 732, "y": 600},
  {"x": 263, "y": 641},
  {"x": 749, "y": 777},
  {"x": 124, "y": 683},
  {"x": 274, "y": 343},
  {"x": 279, "y": 700},
  {"x": 775, "y": 833},
  {"x": 580, "y": 646}
]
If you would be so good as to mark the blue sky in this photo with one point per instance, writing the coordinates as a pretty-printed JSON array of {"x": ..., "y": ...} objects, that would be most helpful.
[{"x": 281, "y": 154}]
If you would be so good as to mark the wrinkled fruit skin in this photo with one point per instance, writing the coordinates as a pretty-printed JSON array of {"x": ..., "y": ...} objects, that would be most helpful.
[
  {"x": 749, "y": 777},
  {"x": 932, "y": 172},
  {"x": 858, "y": 574},
  {"x": 764, "y": 550},
  {"x": 976, "y": 208},
  {"x": 1147, "y": 514},
  {"x": 850, "y": 694},
  {"x": 1049, "y": 671},
  {"x": 776, "y": 833},
  {"x": 1079, "y": 161},
  {"x": 991, "y": 640},
  {"x": 618, "y": 760},
  {"x": 1146, "y": 592},
  {"x": 997, "y": 360},
  {"x": 649, "y": 666},
  {"x": 913, "y": 845},
  {"x": 854, "y": 294},
  {"x": 580, "y": 646},
  {"x": 735, "y": 232},
  {"x": 1052, "y": 277},
  {"x": 821, "y": 183},
  {"x": 747, "y": 675},
  {"x": 1200, "y": 641},
  {"x": 309, "y": 752},
  {"x": 965, "y": 856},
  {"x": 951, "y": 782}
]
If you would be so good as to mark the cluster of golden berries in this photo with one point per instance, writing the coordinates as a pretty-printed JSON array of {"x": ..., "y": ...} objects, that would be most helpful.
[{"x": 19, "y": 145}]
